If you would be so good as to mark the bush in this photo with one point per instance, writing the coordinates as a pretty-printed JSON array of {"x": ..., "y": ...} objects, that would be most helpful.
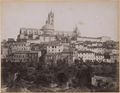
[{"x": 62, "y": 78}]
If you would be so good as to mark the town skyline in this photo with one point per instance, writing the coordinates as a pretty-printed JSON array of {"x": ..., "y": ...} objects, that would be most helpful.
[
  {"x": 33, "y": 15},
  {"x": 60, "y": 47}
]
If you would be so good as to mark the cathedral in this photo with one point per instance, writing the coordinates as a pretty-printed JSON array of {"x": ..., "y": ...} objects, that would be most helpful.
[{"x": 47, "y": 33}]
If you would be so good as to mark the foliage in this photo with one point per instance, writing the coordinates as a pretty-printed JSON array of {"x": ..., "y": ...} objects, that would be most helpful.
[{"x": 60, "y": 73}]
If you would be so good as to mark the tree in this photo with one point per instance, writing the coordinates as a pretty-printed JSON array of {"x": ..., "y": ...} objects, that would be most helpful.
[
  {"x": 62, "y": 78},
  {"x": 84, "y": 76},
  {"x": 76, "y": 61}
]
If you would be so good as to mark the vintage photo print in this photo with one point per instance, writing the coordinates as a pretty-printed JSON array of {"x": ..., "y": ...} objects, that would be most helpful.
[{"x": 60, "y": 46}]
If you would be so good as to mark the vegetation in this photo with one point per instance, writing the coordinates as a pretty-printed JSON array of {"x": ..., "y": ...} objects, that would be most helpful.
[{"x": 39, "y": 75}]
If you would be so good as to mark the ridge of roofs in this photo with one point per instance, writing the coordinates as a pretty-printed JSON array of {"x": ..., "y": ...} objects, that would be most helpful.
[
  {"x": 29, "y": 28},
  {"x": 85, "y": 51},
  {"x": 95, "y": 47},
  {"x": 25, "y": 52},
  {"x": 90, "y": 37},
  {"x": 98, "y": 54}
]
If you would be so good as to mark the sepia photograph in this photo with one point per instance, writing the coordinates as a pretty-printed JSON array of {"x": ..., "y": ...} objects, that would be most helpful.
[{"x": 70, "y": 46}]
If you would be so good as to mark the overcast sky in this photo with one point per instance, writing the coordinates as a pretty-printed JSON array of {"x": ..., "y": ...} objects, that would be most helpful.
[{"x": 93, "y": 19}]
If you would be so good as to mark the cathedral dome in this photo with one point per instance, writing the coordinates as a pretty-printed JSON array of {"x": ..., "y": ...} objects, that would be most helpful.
[{"x": 47, "y": 27}]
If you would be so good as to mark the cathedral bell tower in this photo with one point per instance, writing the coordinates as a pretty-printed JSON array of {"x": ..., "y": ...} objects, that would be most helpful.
[
  {"x": 50, "y": 19},
  {"x": 48, "y": 28}
]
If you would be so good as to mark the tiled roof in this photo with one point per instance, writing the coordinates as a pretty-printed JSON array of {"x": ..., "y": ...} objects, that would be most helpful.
[
  {"x": 19, "y": 43},
  {"x": 99, "y": 54},
  {"x": 21, "y": 52},
  {"x": 95, "y": 47},
  {"x": 39, "y": 45},
  {"x": 46, "y": 35},
  {"x": 91, "y": 37},
  {"x": 67, "y": 51},
  {"x": 85, "y": 51},
  {"x": 55, "y": 43}
]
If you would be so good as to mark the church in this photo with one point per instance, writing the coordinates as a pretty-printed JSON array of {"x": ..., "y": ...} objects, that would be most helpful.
[{"x": 47, "y": 33}]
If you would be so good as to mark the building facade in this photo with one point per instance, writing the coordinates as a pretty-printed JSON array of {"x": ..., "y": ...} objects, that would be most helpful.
[
  {"x": 20, "y": 46},
  {"x": 24, "y": 56}
]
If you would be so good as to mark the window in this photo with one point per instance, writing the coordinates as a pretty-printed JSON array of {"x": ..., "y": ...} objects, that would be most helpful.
[{"x": 52, "y": 46}]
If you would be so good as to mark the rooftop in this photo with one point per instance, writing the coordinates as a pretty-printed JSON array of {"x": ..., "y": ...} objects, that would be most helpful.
[
  {"x": 22, "y": 52},
  {"x": 85, "y": 51},
  {"x": 90, "y": 37}
]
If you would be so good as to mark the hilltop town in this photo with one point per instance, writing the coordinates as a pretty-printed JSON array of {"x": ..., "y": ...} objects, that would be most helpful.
[
  {"x": 58, "y": 44},
  {"x": 60, "y": 53}
]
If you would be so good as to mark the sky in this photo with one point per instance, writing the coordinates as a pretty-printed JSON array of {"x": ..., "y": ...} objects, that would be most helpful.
[{"x": 94, "y": 19}]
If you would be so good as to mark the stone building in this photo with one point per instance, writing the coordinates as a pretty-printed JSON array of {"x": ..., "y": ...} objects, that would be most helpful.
[
  {"x": 24, "y": 56},
  {"x": 86, "y": 55},
  {"x": 55, "y": 47},
  {"x": 20, "y": 46}
]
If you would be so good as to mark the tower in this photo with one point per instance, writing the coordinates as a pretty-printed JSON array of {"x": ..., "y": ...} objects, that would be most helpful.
[
  {"x": 50, "y": 20},
  {"x": 48, "y": 28},
  {"x": 76, "y": 31}
]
